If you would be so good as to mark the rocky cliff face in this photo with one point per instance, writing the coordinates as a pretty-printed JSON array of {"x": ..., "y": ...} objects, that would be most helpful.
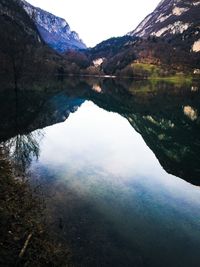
[
  {"x": 20, "y": 38},
  {"x": 174, "y": 20},
  {"x": 12, "y": 16},
  {"x": 22, "y": 49},
  {"x": 55, "y": 31},
  {"x": 168, "y": 39}
]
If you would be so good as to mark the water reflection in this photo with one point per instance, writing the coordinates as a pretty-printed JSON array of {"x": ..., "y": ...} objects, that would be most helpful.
[
  {"x": 109, "y": 196},
  {"x": 23, "y": 149},
  {"x": 118, "y": 207},
  {"x": 165, "y": 115}
]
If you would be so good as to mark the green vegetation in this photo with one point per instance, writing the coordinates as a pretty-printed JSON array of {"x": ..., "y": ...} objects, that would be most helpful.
[
  {"x": 149, "y": 69},
  {"x": 155, "y": 73},
  {"x": 177, "y": 79}
]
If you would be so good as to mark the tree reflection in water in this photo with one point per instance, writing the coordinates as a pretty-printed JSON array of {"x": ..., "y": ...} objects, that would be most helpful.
[{"x": 23, "y": 149}]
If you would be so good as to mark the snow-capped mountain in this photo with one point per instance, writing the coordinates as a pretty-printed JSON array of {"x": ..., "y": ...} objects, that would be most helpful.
[
  {"x": 171, "y": 19},
  {"x": 55, "y": 31}
]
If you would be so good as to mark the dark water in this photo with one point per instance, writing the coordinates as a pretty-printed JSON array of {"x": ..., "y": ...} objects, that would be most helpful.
[{"x": 119, "y": 166}]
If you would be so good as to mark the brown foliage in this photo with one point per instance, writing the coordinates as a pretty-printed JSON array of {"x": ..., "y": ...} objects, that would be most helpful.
[{"x": 21, "y": 213}]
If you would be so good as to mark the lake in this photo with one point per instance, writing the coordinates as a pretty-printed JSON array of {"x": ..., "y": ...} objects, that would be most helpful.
[{"x": 118, "y": 163}]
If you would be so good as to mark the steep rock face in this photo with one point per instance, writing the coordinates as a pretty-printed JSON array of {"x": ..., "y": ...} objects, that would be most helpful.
[
  {"x": 12, "y": 16},
  {"x": 168, "y": 38},
  {"x": 55, "y": 31},
  {"x": 22, "y": 49},
  {"x": 174, "y": 20},
  {"x": 19, "y": 38}
]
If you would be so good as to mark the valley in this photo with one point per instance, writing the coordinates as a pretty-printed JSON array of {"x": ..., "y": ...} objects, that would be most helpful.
[
  {"x": 99, "y": 146},
  {"x": 154, "y": 49}
]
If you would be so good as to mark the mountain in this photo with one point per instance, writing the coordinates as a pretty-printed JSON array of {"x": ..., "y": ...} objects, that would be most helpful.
[
  {"x": 12, "y": 10},
  {"x": 22, "y": 49},
  {"x": 18, "y": 39},
  {"x": 55, "y": 31},
  {"x": 165, "y": 43},
  {"x": 16, "y": 26},
  {"x": 174, "y": 20},
  {"x": 112, "y": 54},
  {"x": 142, "y": 57}
]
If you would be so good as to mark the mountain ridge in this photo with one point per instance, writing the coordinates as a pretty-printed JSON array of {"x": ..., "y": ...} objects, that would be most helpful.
[
  {"x": 54, "y": 30},
  {"x": 172, "y": 19},
  {"x": 148, "y": 51},
  {"x": 166, "y": 42}
]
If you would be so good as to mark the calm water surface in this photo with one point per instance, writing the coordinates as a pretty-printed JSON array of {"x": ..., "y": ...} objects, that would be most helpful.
[{"x": 104, "y": 164}]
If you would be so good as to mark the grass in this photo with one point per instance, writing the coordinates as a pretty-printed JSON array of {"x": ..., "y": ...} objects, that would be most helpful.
[{"x": 156, "y": 74}]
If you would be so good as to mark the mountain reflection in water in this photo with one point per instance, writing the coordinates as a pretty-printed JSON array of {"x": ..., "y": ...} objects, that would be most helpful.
[{"x": 116, "y": 204}]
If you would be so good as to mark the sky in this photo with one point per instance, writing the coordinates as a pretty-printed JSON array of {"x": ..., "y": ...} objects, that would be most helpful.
[{"x": 96, "y": 21}]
